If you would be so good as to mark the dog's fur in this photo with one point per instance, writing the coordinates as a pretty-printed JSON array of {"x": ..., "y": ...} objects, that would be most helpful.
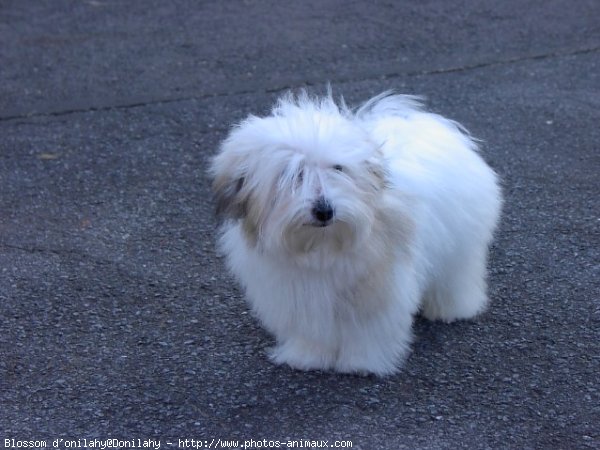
[{"x": 342, "y": 224}]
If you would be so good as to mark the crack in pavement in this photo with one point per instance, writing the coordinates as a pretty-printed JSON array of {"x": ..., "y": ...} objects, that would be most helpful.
[{"x": 467, "y": 67}]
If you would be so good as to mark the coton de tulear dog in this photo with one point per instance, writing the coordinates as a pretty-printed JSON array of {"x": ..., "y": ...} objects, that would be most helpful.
[{"x": 343, "y": 224}]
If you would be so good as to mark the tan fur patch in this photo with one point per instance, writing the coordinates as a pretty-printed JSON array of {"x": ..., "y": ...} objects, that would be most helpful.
[{"x": 251, "y": 220}]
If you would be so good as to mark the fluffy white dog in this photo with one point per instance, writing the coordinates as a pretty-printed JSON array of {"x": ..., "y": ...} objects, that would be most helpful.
[{"x": 342, "y": 224}]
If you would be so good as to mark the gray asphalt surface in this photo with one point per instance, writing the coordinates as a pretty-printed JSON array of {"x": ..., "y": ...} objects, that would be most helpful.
[{"x": 117, "y": 318}]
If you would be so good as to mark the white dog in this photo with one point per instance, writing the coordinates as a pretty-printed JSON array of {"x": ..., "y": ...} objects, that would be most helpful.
[{"x": 342, "y": 224}]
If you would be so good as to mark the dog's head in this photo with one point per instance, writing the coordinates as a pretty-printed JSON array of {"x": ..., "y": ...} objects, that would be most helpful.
[{"x": 305, "y": 179}]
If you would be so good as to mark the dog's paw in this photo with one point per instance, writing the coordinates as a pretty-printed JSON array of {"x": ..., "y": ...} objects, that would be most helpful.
[
  {"x": 368, "y": 365},
  {"x": 301, "y": 355}
]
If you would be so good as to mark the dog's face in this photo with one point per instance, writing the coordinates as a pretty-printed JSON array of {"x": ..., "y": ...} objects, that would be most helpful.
[{"x": 303, "y": 180}]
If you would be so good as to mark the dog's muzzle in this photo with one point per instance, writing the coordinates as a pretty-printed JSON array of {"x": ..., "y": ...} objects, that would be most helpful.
[{"x": 322, "y": 212}]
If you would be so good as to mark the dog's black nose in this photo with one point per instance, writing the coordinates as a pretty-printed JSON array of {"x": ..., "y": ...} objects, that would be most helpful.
[{"x": 322, "y": 211}]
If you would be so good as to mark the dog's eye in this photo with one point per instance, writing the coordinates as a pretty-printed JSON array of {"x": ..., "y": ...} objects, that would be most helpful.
[
  {"x": 300, "y": 176},
  {"x": 338, "y": 168}
]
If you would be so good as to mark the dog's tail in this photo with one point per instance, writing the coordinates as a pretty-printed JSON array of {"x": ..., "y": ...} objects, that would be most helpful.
[{"x": 389, "y": 103}]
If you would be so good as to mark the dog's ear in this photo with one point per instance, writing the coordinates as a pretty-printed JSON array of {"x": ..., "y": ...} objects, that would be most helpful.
[
  {"x": 377, "y": 166},
  {"x": 230, "y": 196},
  {"x": 229, "y": 172}
]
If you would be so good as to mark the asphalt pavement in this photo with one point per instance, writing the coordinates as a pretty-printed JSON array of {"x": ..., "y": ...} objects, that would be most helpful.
[{"x": 117, "y": 318}]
